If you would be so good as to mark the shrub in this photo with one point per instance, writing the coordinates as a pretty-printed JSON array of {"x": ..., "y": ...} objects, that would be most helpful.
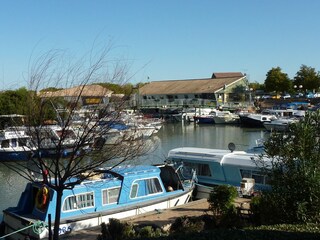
[
  {"x": 149, "y": 231},
  {"x": 187, "y": 224},
  {"x": 222, "y": 198},
  {"x": 116, "y": 230}
]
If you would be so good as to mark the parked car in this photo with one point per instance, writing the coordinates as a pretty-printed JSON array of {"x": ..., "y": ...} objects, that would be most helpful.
[
  {"x": 309, "y": 95},
  {"x": 266, "y": 97},
  {"x": 299, "y": 95},
  {"x": 316, "y": 95},
  {"x": 285, "y": 96}
]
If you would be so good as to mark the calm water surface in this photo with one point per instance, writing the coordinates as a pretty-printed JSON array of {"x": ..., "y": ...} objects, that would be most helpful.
[{"x": 170, "y": 136}]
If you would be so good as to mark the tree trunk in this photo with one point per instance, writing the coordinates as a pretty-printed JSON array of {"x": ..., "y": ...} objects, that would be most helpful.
[{"x": 58, "y": 214}]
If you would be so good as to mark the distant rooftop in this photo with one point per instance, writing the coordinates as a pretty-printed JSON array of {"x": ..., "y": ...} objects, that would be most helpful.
[{"x": 205, "y": 85}]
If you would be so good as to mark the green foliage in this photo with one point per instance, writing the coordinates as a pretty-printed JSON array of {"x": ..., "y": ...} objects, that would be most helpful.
[
  {"x": 265, "y": 209},
  {"x": 147, "y": 232},
  {"x": 308, "y": 78},
  {"x": 221, "y": 199},
  {"x": 116, "y": 230},
  {"x": 256, "y": 86},
  {"x": 295, "y": 173},
  {"x": 277, "y": 81},
  {"x": 14, "y": 102},
  {"x": 50, "y": 89},
  {"x": 186, "y": 225}
]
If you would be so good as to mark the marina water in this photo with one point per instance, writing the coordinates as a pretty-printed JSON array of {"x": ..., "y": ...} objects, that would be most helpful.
[{"x": 171, "y": 135}]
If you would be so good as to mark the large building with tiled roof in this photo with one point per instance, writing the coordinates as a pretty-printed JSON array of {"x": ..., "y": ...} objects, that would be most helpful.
[
  {"x": 89, "y": 94},
  {"x": 220, "y": 89}
]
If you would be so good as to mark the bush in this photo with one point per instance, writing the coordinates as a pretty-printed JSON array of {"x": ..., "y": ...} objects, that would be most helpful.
[
  {"x": 222, "y": 198},
  {"x": 186, "y": 225},
  {"x": 116, "y": 230},
  {"x": 148, "y": 231}
]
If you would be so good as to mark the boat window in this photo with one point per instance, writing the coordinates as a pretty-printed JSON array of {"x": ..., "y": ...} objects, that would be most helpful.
[
  {"x": 134, "y": 191},
  {"x": 78, "y": 201},
  {"x": 110, "y": 195},
  {"x": 259, "y": 177},
  {"x": 245, "y": 173},
  {"x": 67, "y": 133},
  {"x": 144, "y": 187},
  {"x": 204, "y": 170},
  {"x": 201, "y": 169},
  {"x": 13, "y": 142},
  {"x": 5, "y": 143},
  {"x": 22, "y": 142}
]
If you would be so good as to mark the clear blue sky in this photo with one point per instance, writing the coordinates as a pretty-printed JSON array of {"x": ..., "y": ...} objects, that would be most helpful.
[{"x": 165, "y": 39}]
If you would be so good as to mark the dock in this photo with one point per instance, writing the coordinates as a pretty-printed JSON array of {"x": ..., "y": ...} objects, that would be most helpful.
[{"x": 161, "y": 218}]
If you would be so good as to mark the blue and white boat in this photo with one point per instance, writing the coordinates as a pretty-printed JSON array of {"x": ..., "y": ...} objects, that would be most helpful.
[
  {"x": 15, "y": 145},
  {"x": 221, "y": 167},
  {"x": 119, "y": 192}
]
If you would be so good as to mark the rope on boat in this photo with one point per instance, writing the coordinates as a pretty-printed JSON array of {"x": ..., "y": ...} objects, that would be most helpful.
[{"x": 37, "y": 227}]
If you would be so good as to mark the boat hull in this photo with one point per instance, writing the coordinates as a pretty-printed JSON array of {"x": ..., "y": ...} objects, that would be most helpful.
[
  {"x": 8, "y": 156},
  {"x": 248, "y": 121},
  {"x": 205, "y": 120}
]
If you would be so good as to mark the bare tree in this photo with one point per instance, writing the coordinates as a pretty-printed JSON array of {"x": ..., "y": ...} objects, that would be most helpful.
[{"x": 89, "y": 150}]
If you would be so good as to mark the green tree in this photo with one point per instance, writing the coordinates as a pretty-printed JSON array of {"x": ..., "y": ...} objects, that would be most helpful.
[
  {"x": 256, "y": 86},
  {"x": 277, "y": 81},
  {"x": 308, "y": 78},
  {"x": 294, "y": 173},
  {"x": 13, "y": 101}
]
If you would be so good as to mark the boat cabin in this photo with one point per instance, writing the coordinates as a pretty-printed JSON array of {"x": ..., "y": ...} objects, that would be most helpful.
[
  {"x": 113, "y": 193},
  {"x": 216, "y": 166}
]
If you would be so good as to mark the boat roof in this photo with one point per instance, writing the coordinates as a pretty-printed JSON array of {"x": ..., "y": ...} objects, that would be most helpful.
[
  {"x": 119, "y": 172},
  {"x": 133, "y": 170},
  {"x": 224, "y": 157}
]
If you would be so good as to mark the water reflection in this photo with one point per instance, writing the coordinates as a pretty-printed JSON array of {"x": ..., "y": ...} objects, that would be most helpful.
[{"x": 12, "y": 185}]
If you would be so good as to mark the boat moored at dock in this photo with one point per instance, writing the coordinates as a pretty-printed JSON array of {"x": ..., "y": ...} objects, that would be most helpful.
[
  {"x": 15, "y": 145},
  {"x": 119, "y": 192},
  {"x": 220, "y": 167}
]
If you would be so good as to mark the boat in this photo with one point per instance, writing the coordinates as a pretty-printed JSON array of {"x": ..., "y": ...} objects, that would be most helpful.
[
  {"x": 226, "y": 117},
  {"x": 190, "y": 113},
  {"x": 205, "y": 116},
  {"x": 53, "y": 135},
  {"x": 118, "y": 192},
  {"x": 255, "y": 120},
  {"x": 220, "y": 167},
  {"x": 280, "y": 125},
  {"x": 208, "y": 119},
  {"x": 15, "y": 145}
]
